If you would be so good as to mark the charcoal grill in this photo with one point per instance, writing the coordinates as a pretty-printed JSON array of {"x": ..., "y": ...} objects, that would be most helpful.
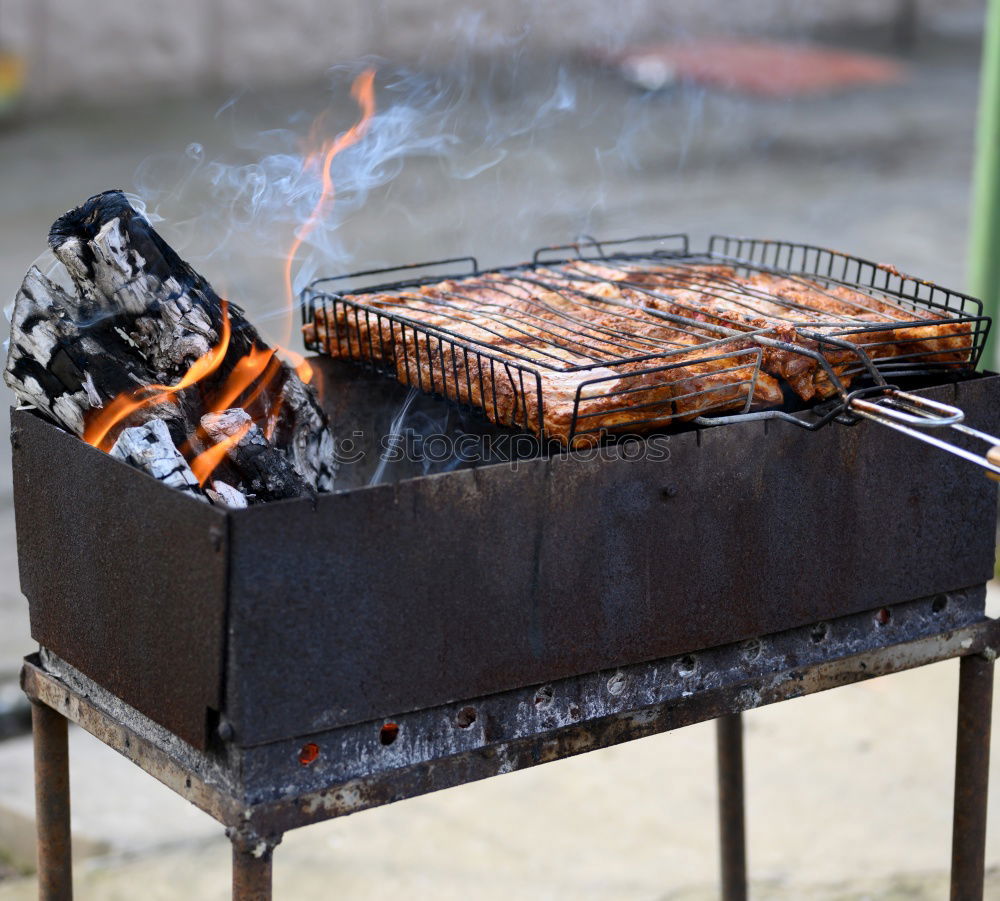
[{"x": 310, "y": 658}]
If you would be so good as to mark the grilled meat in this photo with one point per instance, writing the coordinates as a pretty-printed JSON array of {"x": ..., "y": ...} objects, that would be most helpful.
[
  {"x": 793, "y": 310},
  {"x": 545, "y": 361},
  {"x": 575, "y": 349}
]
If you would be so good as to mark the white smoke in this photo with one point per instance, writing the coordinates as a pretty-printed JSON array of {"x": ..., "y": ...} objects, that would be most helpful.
[{"x": 250, "y": 206}]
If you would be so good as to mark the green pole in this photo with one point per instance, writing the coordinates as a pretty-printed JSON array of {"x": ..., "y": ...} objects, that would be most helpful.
[{"x": 985, "y": 243}]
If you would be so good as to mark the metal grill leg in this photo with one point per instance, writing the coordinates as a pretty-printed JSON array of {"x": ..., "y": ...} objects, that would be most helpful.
[
  {"x": 55, "y": 856},
  {"x": 972, "y": 765},
  {"x": 252, "y": 856},
  {"x": 732, "y": 829}
]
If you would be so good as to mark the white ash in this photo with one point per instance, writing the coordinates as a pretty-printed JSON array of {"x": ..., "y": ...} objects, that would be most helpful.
[
  {"x": 150, "y": 448},
  {"x": 227, "y": 423},
  {"x": 225, "y": 495}
]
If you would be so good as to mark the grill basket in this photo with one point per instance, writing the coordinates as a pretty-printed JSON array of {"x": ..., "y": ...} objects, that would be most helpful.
[{"x": 707, "y": 369}]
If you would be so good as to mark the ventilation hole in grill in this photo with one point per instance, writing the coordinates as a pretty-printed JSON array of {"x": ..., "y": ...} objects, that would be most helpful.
[
  {"x": 543, "y": 697},
  {"x": 128, "y": 743},
  {"x": 465, "y": 717},
  {"x": 939, "y": 603},
  {"x": 387, "y": 734},
  {"x": 187, "y": 782},
  {"x": 686, "y": 665},
  {"x": 669, "y": 492},
  {"x": 819, "y": 632},
  {"x": 308, "y": 754},
  {"x": 883, "y": 616}
]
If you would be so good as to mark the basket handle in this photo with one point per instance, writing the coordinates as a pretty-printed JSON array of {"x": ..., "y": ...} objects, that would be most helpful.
[
  {"x": 914, "y": 416},
  {"x": 909, "y": 409}
]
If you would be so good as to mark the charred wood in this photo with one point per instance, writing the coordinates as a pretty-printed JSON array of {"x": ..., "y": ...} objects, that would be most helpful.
[
  {"x": 133, "y": 314},
  {"x": 265, "y": 472},
  {"x": 66, "y": 365}
]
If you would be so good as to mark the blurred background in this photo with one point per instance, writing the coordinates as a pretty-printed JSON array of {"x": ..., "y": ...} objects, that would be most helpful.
[{"x": 499, "y": 127}]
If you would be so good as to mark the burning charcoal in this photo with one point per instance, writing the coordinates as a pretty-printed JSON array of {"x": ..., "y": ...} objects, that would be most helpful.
[
  {"x": 266, "y": 473},
  {"x": 150, "y": 448},
  {"x": 140, "y": 335},
  {"x": 227, "y": 496}
]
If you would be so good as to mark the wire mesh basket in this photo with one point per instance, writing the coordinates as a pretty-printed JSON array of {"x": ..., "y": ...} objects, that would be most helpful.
[{"x": 600, "y": 337}]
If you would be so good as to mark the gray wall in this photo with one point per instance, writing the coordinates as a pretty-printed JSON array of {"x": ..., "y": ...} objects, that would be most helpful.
[{"x": 114, "y": 49}]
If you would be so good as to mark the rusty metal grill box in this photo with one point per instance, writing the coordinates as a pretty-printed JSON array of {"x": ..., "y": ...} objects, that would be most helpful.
[{"x": 300, "y": 616}]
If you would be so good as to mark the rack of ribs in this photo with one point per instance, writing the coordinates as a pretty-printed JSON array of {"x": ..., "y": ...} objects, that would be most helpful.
[
  {"x": 790, "y": 308},
  {"x": 572, "y": 349},
  {"x": 556, "y": 362}
]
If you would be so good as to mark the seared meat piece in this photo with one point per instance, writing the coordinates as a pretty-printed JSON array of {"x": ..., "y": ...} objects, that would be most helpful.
[
  {"x": 790, "y": 308},
  {"x": 586, "y": 363}
]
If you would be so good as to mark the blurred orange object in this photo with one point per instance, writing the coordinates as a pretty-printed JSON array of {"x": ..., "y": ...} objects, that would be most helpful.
[
  {"x": 11, "y": 81},
  {"x": 760, "y": 68}
]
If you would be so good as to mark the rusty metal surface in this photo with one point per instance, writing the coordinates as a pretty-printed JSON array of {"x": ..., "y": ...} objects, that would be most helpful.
[
  {"x": 402, "y": 597},
  {"x": 251, "y": 876},
  {"x": 750, "y": 667},
  {"x": 410, "y": 781},
  {"x": 52, "y": 805},
  {"x": 732, "y": 815},
  {"x": 252, "y": 865},
  {"x": 267, "y": 790},
  {"x": 972, "y": 767},
  {"x": 381, "y": 601},
  {"x": 125, "y": 578},
  {"x": 207, "y": 780}
]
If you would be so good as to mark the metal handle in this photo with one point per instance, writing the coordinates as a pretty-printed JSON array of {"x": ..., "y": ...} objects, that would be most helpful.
[
  {"x": 913, "y": 415},
  {"x": 924, "y": 412}
]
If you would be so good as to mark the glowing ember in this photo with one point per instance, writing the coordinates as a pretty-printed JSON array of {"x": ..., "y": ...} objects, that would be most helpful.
[{"x": 309, "y": 754}]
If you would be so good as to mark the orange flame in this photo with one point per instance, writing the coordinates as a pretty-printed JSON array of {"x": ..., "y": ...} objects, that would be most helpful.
[
  {"x": 100, "y": 426},
  {"x": 207, "y": 363},
  {"x": 363, "y": 91},
  {"x": 244, "y": 373},
  {"x": 96, "y": 431},
  {"x": 258, "y": 366},
  {"x": 206, "y": 462},
  {"x": 298, "y": 362}
]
